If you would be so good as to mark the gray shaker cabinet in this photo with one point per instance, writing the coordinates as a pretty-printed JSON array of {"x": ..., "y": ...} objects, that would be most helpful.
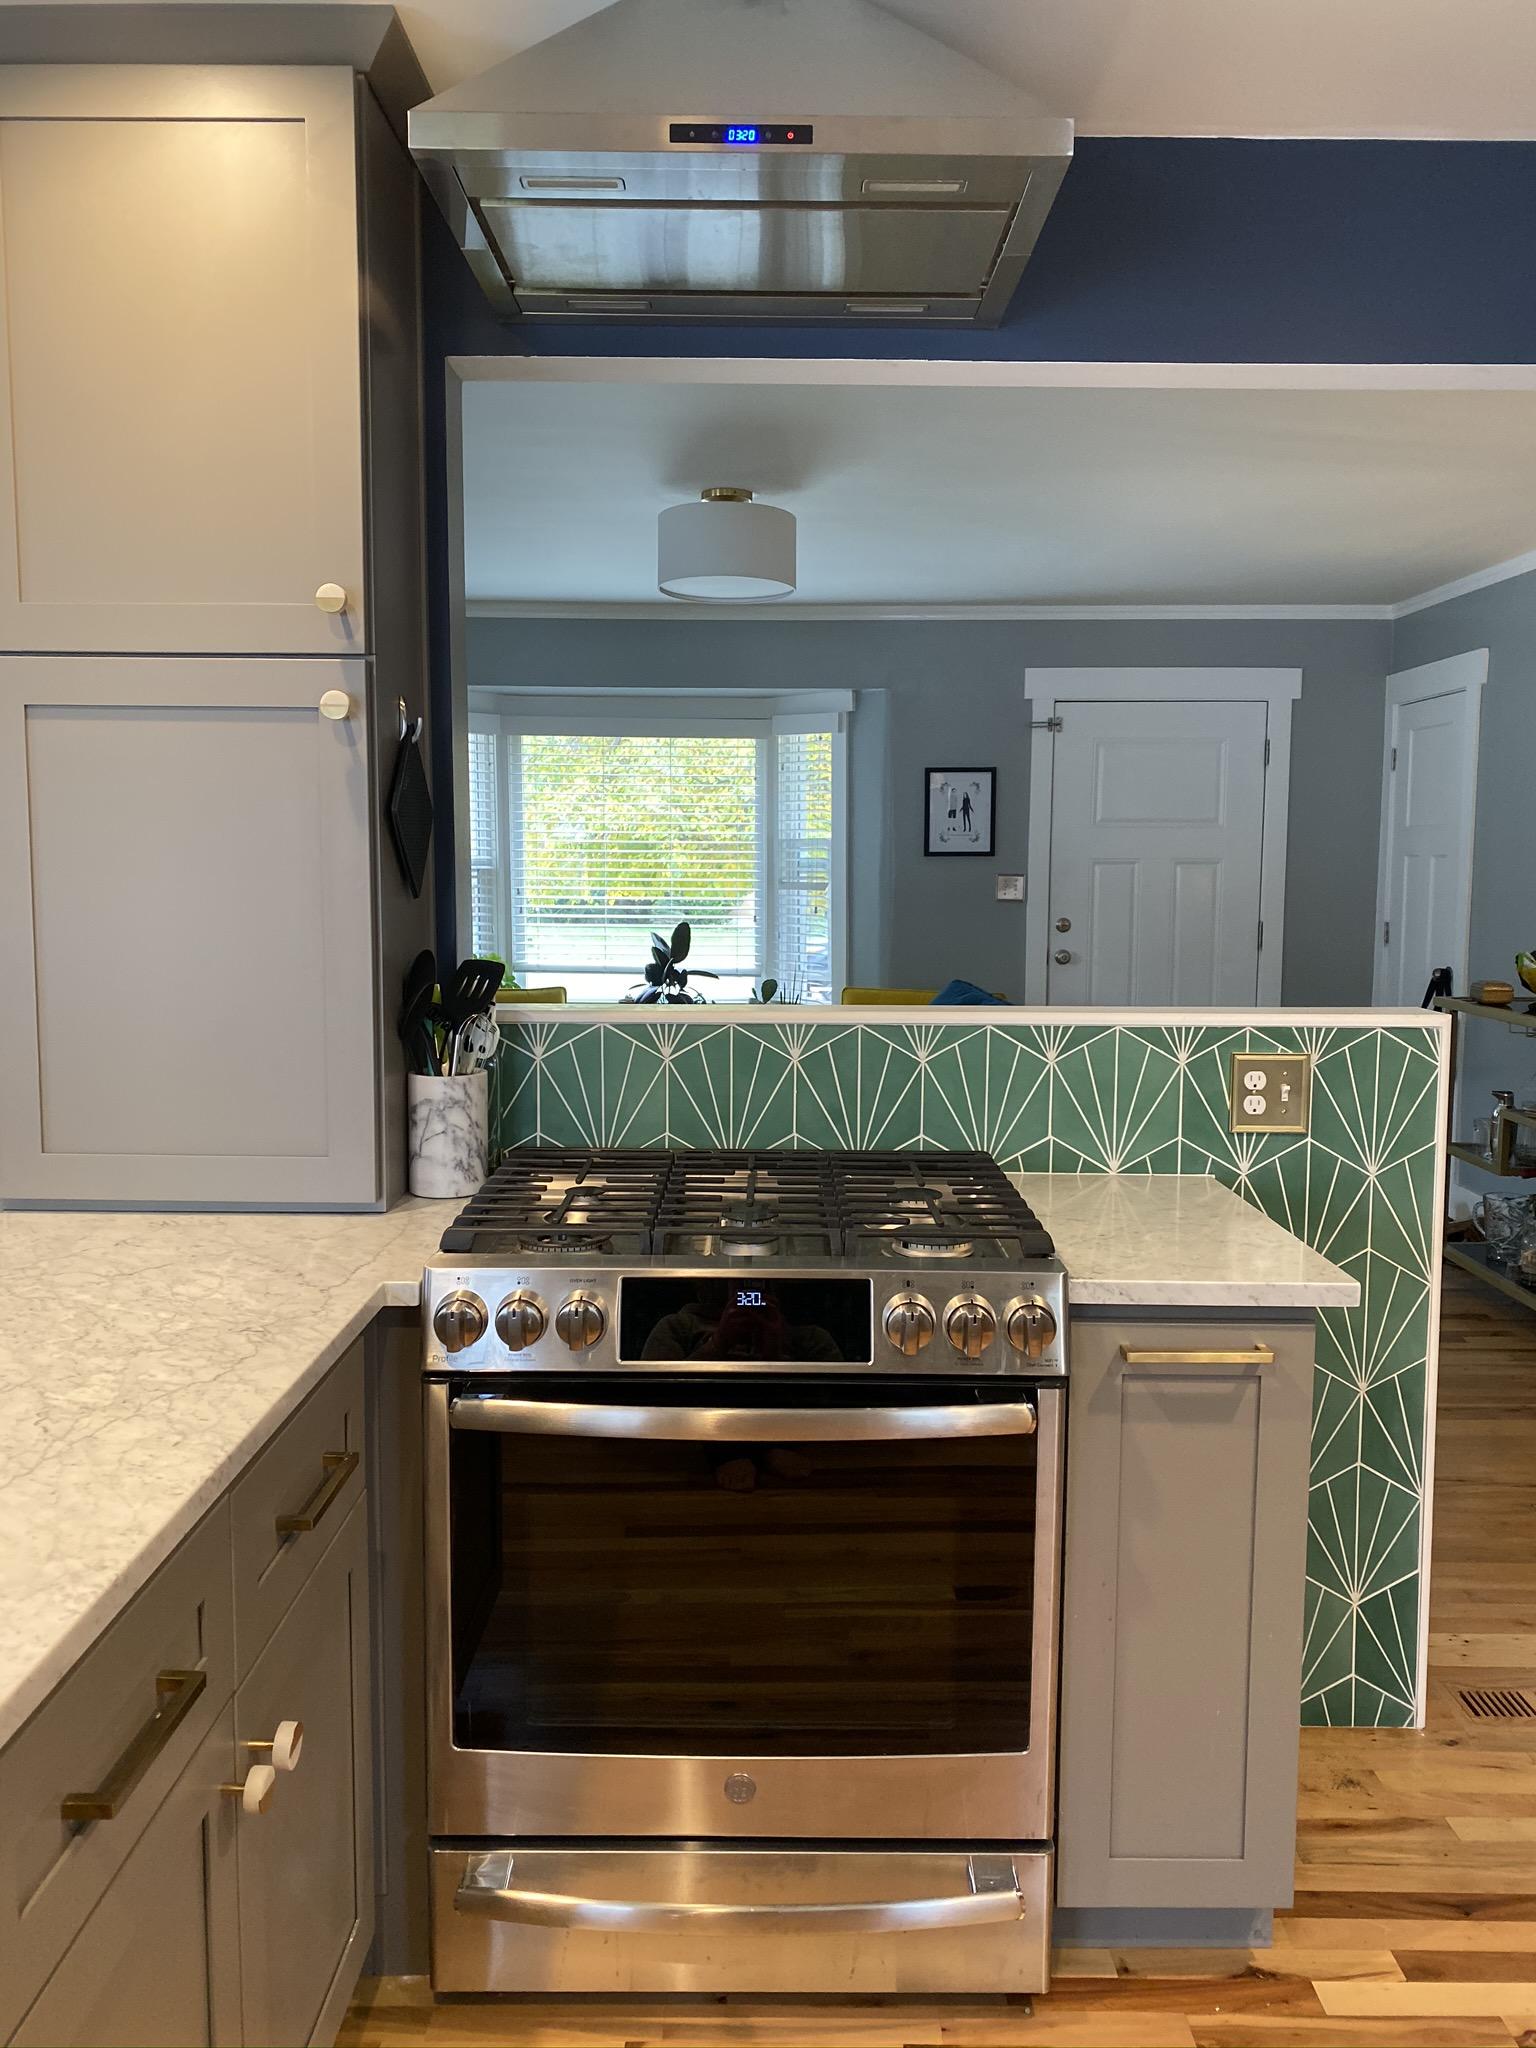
[
  {"x": 156, "y": 1963},
  {"x": 306, "y": 1865},
  {"x": 181, "y": 383},
  {"x": 1184, "y": 1569},
  {"x": 187, "y": 948}
]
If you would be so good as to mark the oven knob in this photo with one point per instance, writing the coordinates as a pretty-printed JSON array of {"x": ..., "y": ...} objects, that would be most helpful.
[
  {"x": 1030, "y": 1327},
  {"x": 580, "y": 1321},
  {"x": 521, "y": 1321},
  {"x": 460, "y": 1321},
  {"x": 909, "y": 1323},
  {"x": 969, "y": 1324}
]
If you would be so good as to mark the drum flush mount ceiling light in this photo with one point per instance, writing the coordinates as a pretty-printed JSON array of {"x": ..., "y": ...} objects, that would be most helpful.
[{"x": 725, "y": 549}]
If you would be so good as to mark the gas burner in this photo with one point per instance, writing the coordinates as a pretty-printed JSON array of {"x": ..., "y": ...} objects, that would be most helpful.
[
  {"x": 749, "y": 1247},
  {"x": 559, "y": 1241},
  {"x": 933, "y": 1248}
]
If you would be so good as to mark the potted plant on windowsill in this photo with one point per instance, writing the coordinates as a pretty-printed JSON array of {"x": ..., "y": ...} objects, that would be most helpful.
[{"x": 666, "y": 979}]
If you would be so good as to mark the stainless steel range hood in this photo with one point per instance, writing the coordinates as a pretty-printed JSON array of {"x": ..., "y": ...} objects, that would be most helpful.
[{"x": 744, "y": 160}]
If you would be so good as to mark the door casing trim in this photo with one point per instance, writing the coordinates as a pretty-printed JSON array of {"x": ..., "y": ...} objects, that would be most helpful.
[{"x": 1048, "y": 688}]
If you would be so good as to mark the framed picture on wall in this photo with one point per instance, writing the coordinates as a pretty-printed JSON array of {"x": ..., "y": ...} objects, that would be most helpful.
[{"x": 958, "y": 808}]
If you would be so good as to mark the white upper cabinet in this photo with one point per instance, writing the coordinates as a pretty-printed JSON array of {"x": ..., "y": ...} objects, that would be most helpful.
[{"x": 181, "y": 462}]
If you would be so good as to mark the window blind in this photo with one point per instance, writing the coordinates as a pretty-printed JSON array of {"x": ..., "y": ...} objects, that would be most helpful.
[
  {"x": 484, "y": 845},
  {"x": 802, "y": 861}
]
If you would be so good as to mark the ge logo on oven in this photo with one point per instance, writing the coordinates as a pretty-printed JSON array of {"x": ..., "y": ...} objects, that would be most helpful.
[{"x": 740, "y": 1789}]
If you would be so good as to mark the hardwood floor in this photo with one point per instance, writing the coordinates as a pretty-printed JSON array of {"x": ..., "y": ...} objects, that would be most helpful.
[{"x": 1415, "y": 1913}]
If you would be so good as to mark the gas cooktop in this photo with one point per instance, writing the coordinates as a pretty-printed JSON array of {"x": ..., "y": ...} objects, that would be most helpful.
[{"x": 858, "y": 1207}]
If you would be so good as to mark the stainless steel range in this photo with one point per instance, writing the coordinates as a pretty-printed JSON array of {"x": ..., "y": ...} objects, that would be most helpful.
[{"x": 743, "y": 1524}]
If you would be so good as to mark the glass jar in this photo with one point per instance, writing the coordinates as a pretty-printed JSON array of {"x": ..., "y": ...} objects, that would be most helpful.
[
  {"x": 1524, "y": 1268},
  {"x": 1504, "y": 1221}
]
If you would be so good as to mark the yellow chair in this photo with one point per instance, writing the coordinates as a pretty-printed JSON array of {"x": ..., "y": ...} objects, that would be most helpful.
[
  {"x": 889, "y": 996},
  {"x": 530, "y": 995}
]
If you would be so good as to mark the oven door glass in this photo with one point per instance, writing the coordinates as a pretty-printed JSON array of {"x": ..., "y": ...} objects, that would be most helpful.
[{"x": 796, "y": 1570}]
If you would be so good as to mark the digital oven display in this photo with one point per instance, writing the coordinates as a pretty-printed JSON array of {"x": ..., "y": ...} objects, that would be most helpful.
[
  {"x": 759, "y": 1322},
  {"x": 741, "y": 134}
]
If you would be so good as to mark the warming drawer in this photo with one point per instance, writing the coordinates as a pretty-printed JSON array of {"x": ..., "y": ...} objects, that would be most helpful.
[{"x": 693, "y": 1919}]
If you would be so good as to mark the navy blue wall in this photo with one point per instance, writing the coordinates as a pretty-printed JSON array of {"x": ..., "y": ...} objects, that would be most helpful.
[{"x": 1157, "y": 250}]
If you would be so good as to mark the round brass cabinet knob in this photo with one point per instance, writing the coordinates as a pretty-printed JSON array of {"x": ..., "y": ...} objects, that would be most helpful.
[
  {"x": 460, "y": 1321},
  {"x": 1030, "y": 1326},
  {"x": 580, "y": 1321},
  {"x": 330, "y": 597},
  {"x": 285, "y": 1748},
  {"x": 909, "y": 1323},
  {"x": 969, "y": 1324},
  {"x": 521, "y": 1321}
]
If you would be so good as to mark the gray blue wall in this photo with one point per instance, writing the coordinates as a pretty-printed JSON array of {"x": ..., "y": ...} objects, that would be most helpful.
[
  {"x": 1501, "y": 618},
  {"x": 952, "y": 693}
]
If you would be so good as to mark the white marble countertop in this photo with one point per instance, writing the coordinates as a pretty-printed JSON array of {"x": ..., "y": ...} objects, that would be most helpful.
[
  {"x": 1165, "y": 1241},
  {"x": 145, "y": 1360}
]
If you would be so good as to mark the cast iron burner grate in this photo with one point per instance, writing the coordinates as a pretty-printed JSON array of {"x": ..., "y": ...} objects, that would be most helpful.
[{"x": 615, "y": 1204}]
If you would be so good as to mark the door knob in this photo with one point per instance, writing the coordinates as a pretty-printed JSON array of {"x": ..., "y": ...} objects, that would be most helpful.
[
  {"x": 255, "y": 1790},
  {"x": 1063, "y": 924},
  {"x": 335, "y": 704},
  {"x": 330, "y": 597},
  {"x": 1062, "y": 957}
]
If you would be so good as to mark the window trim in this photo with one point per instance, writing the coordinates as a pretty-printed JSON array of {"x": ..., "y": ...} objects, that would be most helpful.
[{"x": 510, "y": 714}]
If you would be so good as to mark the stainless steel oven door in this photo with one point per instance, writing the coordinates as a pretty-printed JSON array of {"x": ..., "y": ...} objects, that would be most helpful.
[{"x": 807, "y": 1613}]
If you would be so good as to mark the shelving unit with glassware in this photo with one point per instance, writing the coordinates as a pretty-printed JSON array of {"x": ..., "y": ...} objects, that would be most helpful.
[{"x": 1501, "y": 1162}]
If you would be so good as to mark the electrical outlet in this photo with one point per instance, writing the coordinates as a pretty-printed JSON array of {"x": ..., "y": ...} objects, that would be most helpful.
[
  {"x": 1271, "y": 1091},
  {"x": 1010, "y": 888}
]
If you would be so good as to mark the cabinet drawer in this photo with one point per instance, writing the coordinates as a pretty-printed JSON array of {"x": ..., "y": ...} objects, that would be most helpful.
[
  {"x": 156, "y": 1965},
  {"x": 121, "y": 1726},
  {"x": 293, "y": 1500}
]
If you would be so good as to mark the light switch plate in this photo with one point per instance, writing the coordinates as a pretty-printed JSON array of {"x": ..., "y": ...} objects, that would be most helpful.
[
  {"x": 1271, "y": 1091},
  {"x": 1010, "y": 888}
]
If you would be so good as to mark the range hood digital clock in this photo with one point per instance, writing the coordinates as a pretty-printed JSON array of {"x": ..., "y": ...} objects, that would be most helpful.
[{"x": 881, "y": 175}]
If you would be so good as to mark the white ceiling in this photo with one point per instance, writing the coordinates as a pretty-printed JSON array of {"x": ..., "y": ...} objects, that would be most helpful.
[
  {"x": 1162, "y": 67},
  {"x": 913, "y": 496}
]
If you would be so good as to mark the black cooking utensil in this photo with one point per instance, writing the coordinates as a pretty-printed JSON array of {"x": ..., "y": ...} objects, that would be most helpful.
[
  {"x": 415, "y": 1030},
  {"x": 471, "y": 991}
]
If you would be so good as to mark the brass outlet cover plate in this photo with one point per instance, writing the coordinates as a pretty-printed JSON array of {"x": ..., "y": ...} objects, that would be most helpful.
[{"x": 1270, "y": 1091}]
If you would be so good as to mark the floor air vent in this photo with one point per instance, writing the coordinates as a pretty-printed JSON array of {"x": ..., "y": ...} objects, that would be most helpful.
[{"x": 1497, "y": 1703}]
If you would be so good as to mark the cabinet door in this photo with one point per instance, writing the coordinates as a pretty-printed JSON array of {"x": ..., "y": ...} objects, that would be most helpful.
[
  {"x": 186, "y": 934},
  {"x": 1187, "y": 1463},
  {"x": 306, "y": 1865},
  {"x": 156, "y": 1965},
  {"x": 180, "y": 382}
]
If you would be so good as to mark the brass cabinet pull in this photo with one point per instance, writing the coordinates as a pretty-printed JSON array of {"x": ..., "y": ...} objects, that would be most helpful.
[
  {"x": 339, "y": 1467},
  {"x": 177, "y": 1692},
  {"x": 1260, "y": 1354}
]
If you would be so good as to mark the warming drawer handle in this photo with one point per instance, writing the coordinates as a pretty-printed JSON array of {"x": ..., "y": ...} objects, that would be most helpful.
[
  {"x": 487, "y": 1888},
  {"x": 177, "y": 1693},
  {"x": 1258, "y": 1354},
  {"x": 338, "y": 1467},
  {"x": 743, "y": 1425}
]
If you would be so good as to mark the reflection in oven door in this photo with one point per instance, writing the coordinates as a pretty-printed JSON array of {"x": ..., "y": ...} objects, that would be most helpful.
[{"x": 810, "y": 1612}]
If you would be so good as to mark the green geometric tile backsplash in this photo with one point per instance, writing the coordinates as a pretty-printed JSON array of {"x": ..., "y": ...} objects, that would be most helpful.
[{"x": 1361, "y": 1187}]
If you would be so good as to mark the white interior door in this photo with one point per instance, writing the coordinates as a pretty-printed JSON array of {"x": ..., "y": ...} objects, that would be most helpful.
[
  {"x": 1428, "y": 806},
  {"x": 1157, "y": 835}
]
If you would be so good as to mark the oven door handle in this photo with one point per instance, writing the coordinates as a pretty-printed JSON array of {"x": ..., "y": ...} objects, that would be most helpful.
[
  {"x": 991, "y": 1898},
  {"x": 743, "y": 1425}
]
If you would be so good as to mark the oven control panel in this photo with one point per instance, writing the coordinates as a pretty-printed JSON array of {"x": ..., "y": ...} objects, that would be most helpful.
[{"x": 734, "y": 1320}]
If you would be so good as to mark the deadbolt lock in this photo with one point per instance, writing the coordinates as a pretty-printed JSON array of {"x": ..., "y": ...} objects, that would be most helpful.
[{"x": 1063, "y": 924}]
